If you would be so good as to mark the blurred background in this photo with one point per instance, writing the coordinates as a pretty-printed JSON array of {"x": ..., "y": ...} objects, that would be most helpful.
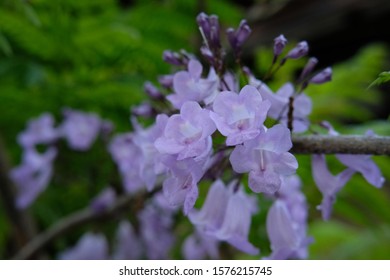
[{"x": 95, "y": 55}]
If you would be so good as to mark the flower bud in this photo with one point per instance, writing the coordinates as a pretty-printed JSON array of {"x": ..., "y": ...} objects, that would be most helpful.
[
  {"x": 308, "y": 68},
  {"x": 152, "y": 91},
  {"x": 301, "y": 49},
  {"x": 322, "y": 77},
  {"x": 279, "y": 44}
]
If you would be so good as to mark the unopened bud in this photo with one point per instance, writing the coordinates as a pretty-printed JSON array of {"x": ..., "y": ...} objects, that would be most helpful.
[
  {"x": 279, "y": 44},
  {"x": 308, "y": 69},
  {"x": 301, "y": 49},
  {"x": 322, "y": 77},
  {"x": 152, "y": 91},
  {"x": 166, "y": 81}
]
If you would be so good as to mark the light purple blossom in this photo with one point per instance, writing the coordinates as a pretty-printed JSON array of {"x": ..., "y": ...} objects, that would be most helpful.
[
  {"x": 239, "y": 117},
  {"x": 150, "y": 161},
  {"x": 210, "y": 217},
  {"x": 126, "y": 155},
  {"x": 187, "y": 134},
  {"x": 127, "y": 244},
  {"x": 32, "y": 176},
  {"x": 189, "y": 86},
  {"x": 237, "y": 221},
  {"x": 199, "y": 246},
  {"x": 180, "y": 186},
  {"x": 80, "y": 129},
  {"x": 39, "y": 131},
  {"x": 328, "y": 184},
  {"x": 280, "y": 104},
  {"x": 91, "y": 246},
  {"x": 362, "y": 164},
  {"x": 266, "y": 158},
  {"x": 156, "y": 223},
  {"x": 287, "y": 222},
  {"x": 226, "y": 215}
]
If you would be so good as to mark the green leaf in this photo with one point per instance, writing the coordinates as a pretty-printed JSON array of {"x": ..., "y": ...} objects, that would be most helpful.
[
  {"x": 5, "y": 45},
  {"x": 383, "y": 77}
]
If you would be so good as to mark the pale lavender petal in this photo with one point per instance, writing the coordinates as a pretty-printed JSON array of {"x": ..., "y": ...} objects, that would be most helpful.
[
  {"x": 168, "y": 146},
  {"x": 236, "y": 224},
  {"x": 364, "y": 165},
  {"x": 266, "y": 181},
  {"x": 210, "y": 217},
  {"x": 195, "y": 69},
  {"x": 241, "y": 161},
  {"x": 127, "y": 246},
  {"x": 90, "y": 247},
  {"x": 39, "y": 131},
  {"x": 276, "y": 139},
  {"x": 280, "y": 228}
]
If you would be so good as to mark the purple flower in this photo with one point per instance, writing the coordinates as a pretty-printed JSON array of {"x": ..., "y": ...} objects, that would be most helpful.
[
  {"x": 187, "y": 134},
  {"x": 279, "y": 44},
  {"x": 287, "y": 222},
  {"x": 237, "y": 221},
  {"x": 199, "y": 246},
  {"x": 180, "y": 187},
  {"x": 104, "y": 200},
  {"x": 210, "y": 217},
  {"x": 156, "y": 229},
  {"x": 239, "y": 116},
  {"x": 33, "y": 175},
  {"x": 127, "y": 246},
  {"x": 280, "y": 103},
  {"x": 90, "y": 247},
  {"x": 39, "y": 131},
  {"x": 301, "y": 49},
  {"x": 189, "y": 86},
  {"x": 150, "y": 163},
  {"x": 226, "y": 216},
  {"x": 127, "y": 156},
  {"x": 328, "y": 184},
  {"x": 80, "y": 129},
  {"x": 266, "y": 159},
  {"x": 364, "y": 165}
]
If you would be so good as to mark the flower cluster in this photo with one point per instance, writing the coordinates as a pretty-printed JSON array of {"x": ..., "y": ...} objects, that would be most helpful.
[
  {"x": 33, "y": 175},
  {"x": 224, "y": 128}
]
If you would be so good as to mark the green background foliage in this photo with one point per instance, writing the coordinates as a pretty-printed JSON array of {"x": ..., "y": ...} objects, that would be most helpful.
[{"x": 95, "y": 56}]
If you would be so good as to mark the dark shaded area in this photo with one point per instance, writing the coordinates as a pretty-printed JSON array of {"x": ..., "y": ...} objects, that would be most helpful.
[{"x": 335, "y": 29}]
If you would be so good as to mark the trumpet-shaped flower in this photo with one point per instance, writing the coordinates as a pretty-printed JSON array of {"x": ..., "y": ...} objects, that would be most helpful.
[
  {"x": 90, "y": 247},
  {"x": 189, "y": 86},
  {"x": 33, "y": 175},
  {"x": 328, "y": 184},
  {"x": 239, "y": 116},
  {"x": 39, "y": 131},
  {"x": 187, "y": 134},
  {"x": 266, "y": 159}
]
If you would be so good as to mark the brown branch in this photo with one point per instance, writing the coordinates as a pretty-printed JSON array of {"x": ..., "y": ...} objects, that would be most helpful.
[
  {"x": 351, "y": 144},
  {"x": 78, "y": 219}
]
